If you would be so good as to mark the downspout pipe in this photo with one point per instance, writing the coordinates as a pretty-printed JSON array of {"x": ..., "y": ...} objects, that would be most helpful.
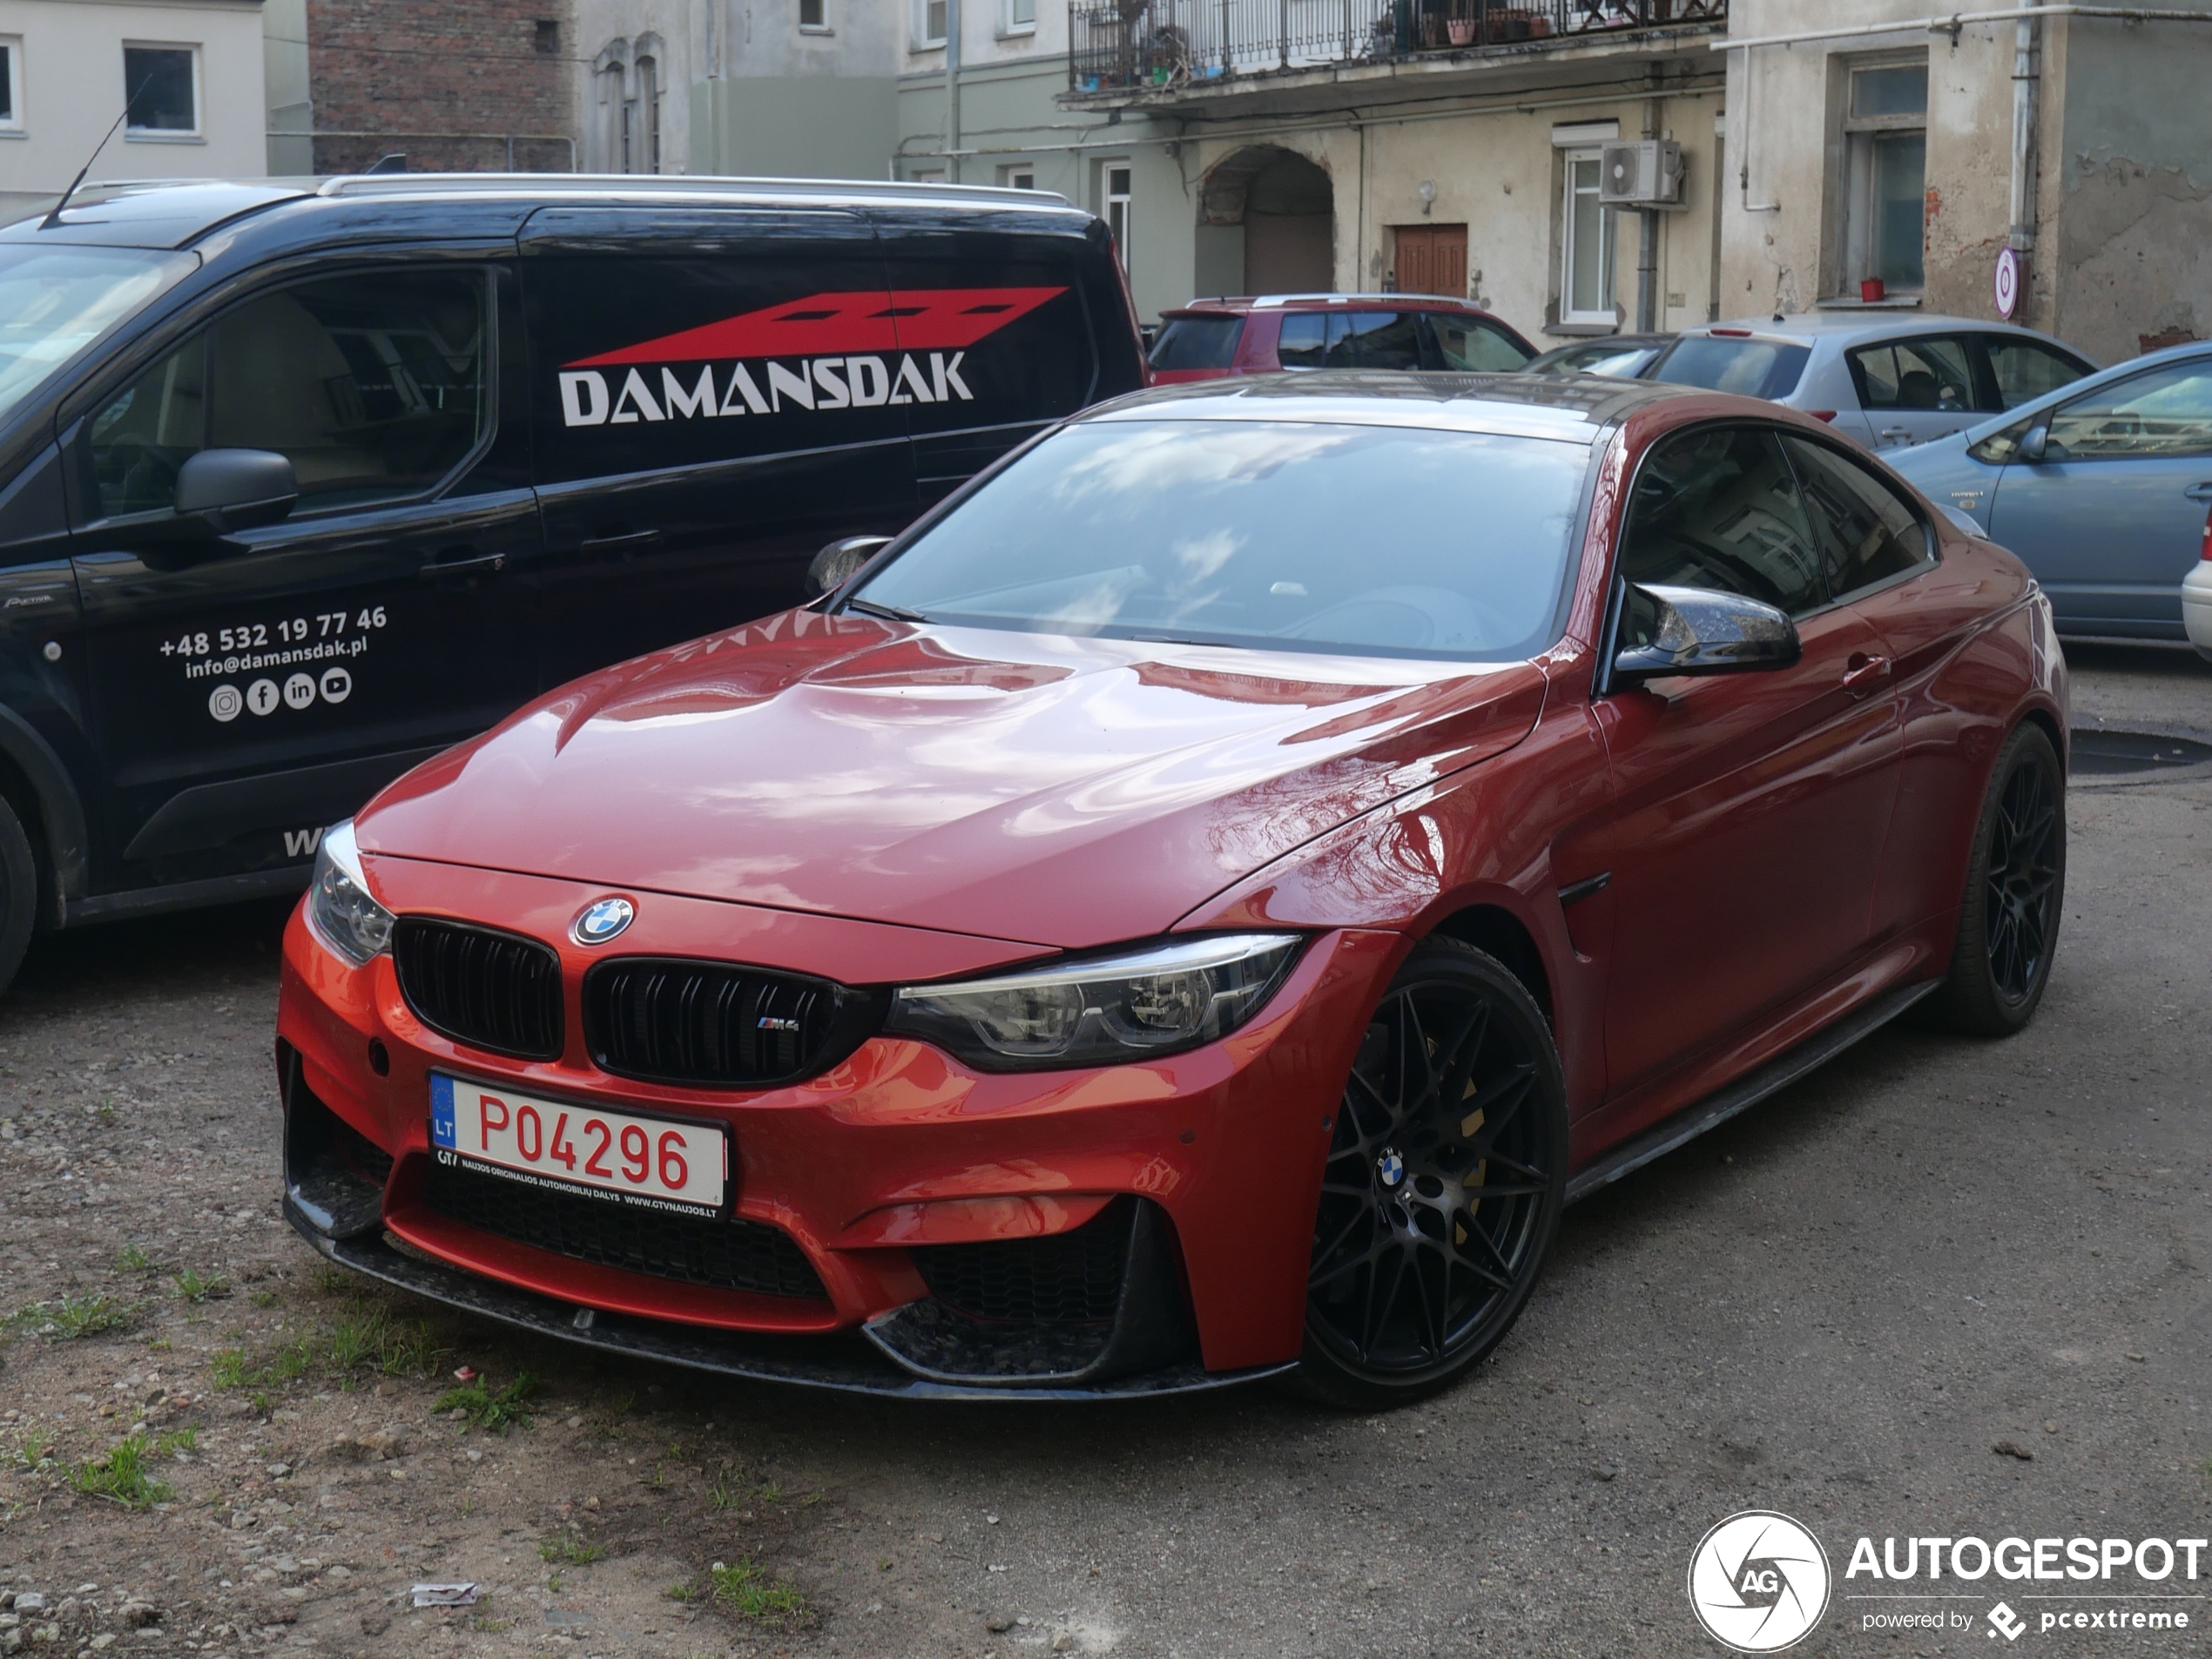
[
  {"x": 952, "y": 92},
  {"x": 2027, "y": 86}
]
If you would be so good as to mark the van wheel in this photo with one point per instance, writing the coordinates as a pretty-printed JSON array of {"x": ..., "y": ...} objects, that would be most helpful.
[
  {"x": 2008, "y": 925},
  {"x": 18, "y": 892},
  {"x": 1445, "y": 1180}
]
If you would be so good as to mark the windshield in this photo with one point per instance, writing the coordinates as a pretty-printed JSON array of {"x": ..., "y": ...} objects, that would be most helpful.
[
  {"x": 1390, "y": 540},
  {"x": 55, "y": 301},
  {"x": 1755, "y": 368}
]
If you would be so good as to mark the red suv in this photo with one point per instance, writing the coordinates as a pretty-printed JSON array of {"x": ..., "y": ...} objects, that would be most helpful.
[{"x": 1211, "y": 339}]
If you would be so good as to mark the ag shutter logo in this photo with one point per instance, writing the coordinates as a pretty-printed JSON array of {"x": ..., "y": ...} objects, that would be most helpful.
[
  {"x": 1758, "y": 1581},
  {"x": 859, "y": 350}
]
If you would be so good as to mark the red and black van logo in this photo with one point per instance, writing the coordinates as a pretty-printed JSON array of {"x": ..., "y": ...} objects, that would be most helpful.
[{"x": 829, "y": 351}]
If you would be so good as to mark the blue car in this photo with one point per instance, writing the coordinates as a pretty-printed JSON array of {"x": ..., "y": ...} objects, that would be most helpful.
[{"x": 2103, "y": 488}]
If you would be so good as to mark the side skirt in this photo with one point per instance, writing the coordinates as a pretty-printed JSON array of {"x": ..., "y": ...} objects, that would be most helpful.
[{"x": 1745, "y": 1093}]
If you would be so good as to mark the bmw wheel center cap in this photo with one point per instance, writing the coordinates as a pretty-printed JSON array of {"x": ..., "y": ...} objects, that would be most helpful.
[
  {"x": 1389, "y": 1167},
  {"x": 602, "y": 920}
]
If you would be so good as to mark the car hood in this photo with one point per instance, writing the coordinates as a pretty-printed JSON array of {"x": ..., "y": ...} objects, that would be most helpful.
[{"x": 1052, "y": 790}]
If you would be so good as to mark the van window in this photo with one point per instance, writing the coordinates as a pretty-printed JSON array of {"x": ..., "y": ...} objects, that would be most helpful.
[
  {"x": 372, "y": 385},
  {"x": 1767, "y": 368},
  {"x": 1198, "y": 342},
  {"x": 55, "y": 301}
]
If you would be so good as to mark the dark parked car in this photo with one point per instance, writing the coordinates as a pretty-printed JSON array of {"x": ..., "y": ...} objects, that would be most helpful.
[
  {"x": 299, "y": 485},
  {"x": 1211, "y": 340}
]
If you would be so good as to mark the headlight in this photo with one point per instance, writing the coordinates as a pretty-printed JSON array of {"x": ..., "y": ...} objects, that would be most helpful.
[
  {"x": 1106, "y": 1011},
  {"x": 344, "y": 916}
]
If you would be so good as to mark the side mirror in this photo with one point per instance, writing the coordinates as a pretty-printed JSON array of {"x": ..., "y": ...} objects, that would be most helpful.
[
  {"x": 236, "y": 490},
  {"x": 1699, "y": 631},
  {"x": 836, "y": 564},
  {"x": 2035, "y": 443}
]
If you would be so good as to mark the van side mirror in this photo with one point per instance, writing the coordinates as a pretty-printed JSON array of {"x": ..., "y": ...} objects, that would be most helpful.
[
  {"x": 836, "y": 564},
  {"x": 2035, "y": 443},
  {"x": 236, "y": 490},
  {"x": 1699, "y": 631}
]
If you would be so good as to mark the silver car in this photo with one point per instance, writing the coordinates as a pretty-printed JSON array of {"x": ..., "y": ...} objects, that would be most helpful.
[{"x": 1884, "y": 378}]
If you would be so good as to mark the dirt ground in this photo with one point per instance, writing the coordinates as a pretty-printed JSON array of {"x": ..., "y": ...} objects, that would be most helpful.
[{"x": 1939, "y": 1287}]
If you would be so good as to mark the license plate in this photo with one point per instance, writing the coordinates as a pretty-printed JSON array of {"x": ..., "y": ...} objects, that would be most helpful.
[{"x": 658, "y": 1162}]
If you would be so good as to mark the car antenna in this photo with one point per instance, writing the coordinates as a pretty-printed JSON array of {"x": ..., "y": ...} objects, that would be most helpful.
[{"x": 54, "y": 216}]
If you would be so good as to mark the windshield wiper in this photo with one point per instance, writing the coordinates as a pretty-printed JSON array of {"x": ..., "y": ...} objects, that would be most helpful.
[{"x": 889, "y": 613}]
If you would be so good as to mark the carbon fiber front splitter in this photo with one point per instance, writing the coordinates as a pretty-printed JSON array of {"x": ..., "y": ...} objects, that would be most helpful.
[{"x": 844, "y": 1364}]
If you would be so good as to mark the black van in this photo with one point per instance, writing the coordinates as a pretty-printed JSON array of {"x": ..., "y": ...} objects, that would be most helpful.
[{"x": 299, "y": 485}]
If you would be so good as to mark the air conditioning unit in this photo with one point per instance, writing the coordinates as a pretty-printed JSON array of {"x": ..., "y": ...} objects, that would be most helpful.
[{"x": 1642, "y": 173}]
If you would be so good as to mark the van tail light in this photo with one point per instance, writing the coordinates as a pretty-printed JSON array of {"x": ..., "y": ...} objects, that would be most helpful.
[
  {"x": 1822, "y": 415},
  {"x": 2206, "y": 553}
]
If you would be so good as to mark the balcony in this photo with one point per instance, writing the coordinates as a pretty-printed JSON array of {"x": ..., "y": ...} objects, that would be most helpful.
[{"x": 1173, "y": 52}]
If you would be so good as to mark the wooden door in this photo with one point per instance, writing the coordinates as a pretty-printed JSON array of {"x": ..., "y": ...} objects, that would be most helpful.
[{"x": 1431, "y": 258}]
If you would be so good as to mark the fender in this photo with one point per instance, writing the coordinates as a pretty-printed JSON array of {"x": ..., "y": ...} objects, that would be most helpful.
[{"x": 61, "y": 811}]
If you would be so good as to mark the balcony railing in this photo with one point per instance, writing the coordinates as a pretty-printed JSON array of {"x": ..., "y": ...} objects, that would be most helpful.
[{"x": 1118, "y": 44}]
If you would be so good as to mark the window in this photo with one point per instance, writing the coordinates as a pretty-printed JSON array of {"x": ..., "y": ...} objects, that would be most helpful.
[
  {"x": 1020, "y": 176},
  {"x": 1303, "y": 341},
  {"x": 1886, "y": 168},
  {"x": 2023, "y": 369},
  {"x": 1198, "y": 342},
  {"x": 1468, "y": 343},
  {"x": 1017, "y": 16},
  {"x": 1586, "y": 244},
  {"x": 2165, "y": 413},
  {"x": 1118, "y": 178},
  {"x": 10, "y": 85},
  {"x": 1928, "y": 372},
  {"x": 928, "y": 22},
  {"x": 545, "y": 36},
  {"x": 372, "y": 386},
  {"x": 1235, "y": 532},
  {"x": 162, "y": 86},
  {"x": 1718, "y": 507},
  {"x": 56, "y": 301},
  {"x": 1867, "y": 533},
  {"x": 1723, "y": 363},
  {"x": 813, "y": 15},
  {"x": 649, "y": 99}
]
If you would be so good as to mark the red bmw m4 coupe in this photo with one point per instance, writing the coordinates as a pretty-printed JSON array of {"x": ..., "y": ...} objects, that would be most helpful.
[{"x": 1197, "y": 906}]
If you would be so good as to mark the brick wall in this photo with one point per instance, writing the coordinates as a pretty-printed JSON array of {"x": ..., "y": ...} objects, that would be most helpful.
[{"x": 416, "y": 72}]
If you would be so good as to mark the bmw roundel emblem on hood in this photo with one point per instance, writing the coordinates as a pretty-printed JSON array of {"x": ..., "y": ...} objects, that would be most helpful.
[{"x": 602, "y": 920}]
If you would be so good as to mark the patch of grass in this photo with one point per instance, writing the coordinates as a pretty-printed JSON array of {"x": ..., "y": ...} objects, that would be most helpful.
[
  {"x": 683, "y": 1592},
  {"x": 69, "y": 1317},
  {"x": 490, "y": 1626},
  {"x": 569, "y": 1549},
  {"x": 369, "y": 1340},
  {"x": 31, "y": 1450},
  {"x": 184, "y": 1439},
  {"x": 770, "y": 1492},
  {"x": 121, "y": 1476},
  {"x": 263, "y": 1299},
  {"x": 227, "y": 1368},
  {"x": 619, "y": 1405},
  {"x": 493, "y": 1411},
  {"x": 553, "y": 1582},
  {"x": 192, "y": 1285},
  {"x": 751, "y": 1595},
  {"x": 723, "y": 1495},
  {"x": 333, "y": 1281},
  {"x": 132, "y": 1258}
]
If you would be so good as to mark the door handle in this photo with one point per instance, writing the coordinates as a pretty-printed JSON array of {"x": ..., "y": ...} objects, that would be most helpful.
[
  {"x": 1895, "y": 433},
  {"x": 626, "y": 541},
  {"x": 469, "y": 564},
  {"x": 2199, "y": 492},
  {"x": 1862, "y": 673}
]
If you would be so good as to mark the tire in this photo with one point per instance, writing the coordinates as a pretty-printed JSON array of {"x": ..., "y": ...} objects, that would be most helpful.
[
  {"x": 2008, "y": 923},
  {"x": 18, "y": 892},
  {"x": 1456, "y": 1093}
]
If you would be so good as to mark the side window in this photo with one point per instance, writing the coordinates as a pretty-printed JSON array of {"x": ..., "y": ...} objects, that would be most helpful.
[
  {"x": 2020, "y": 370},
  {"x": 371, "y": 386},
  {"x": 1718, "y": 507},
  {"x": 1468, "y": 343},
  {"x": 1868, "y": 533},
  {"x": 2165, "y": 413},
  {"x": 1928, "y": 372},
  {"x": 1384, "y": 339},
  {"x": 1304, "y": 339}
]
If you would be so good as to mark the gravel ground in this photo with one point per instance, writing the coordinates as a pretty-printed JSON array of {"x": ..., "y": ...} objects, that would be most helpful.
[{"x": 1837, "y": 1306}]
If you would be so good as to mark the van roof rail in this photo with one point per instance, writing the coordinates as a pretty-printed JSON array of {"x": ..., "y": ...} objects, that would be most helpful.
[{"x": 558, "y": 184}]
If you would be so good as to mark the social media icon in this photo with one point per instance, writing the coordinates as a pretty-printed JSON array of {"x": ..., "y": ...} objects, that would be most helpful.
[
  {"x": 337, "y": 685},
  {"x": 223, "y": 703},
  {"x": 262, "y": 696},
  {"x": 299, "y": 692}
]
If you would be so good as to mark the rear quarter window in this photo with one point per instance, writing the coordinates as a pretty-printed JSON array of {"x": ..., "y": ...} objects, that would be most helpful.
[{"x": 1198, "y": 342}]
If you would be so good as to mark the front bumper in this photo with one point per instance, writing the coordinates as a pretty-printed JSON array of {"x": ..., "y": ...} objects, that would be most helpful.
[
  {"x": 1208, "y": 1162},
  {"x": 2196, "y": 607}
]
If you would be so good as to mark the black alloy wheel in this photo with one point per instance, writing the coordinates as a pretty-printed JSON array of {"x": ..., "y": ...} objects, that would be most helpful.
[
  {"x": 18, "y": 892},
  {"x": 2008, "y": 923},
  {"x": 1446, "y": 1175}
]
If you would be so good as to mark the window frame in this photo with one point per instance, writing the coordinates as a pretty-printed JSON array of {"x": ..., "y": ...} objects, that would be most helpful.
[
  {"x": 196, "y": 133},
  {"x": 1980, "y": 381},
  {"x": 1010, "y": 26},
  {"x": 821, "y": 23},
  {"x": 1570, "y": 314},
  {"x": 918, "y": 37},
  {"x": 1123, "y": 233},
  {"x": 1856, "y": 136},
  {"x": 1985, "y": 341},
  {"x": 12, "y": 124},
  {"x": 1012, "y": 175},
  {"x": 123, "y": 371},
  {"x": 2050, "y": 416}
]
